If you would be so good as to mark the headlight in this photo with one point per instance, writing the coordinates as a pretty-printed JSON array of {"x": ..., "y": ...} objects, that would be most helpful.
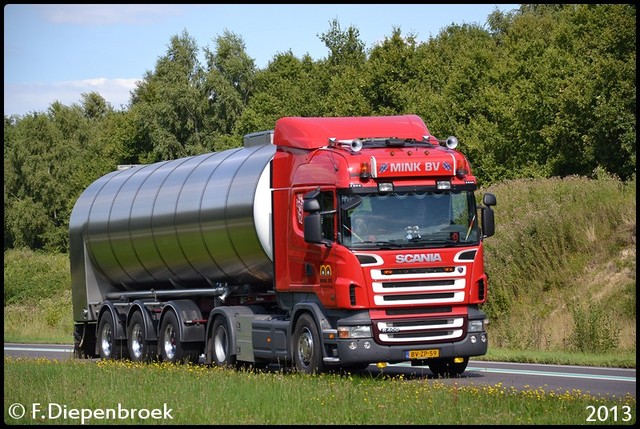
[
  {"x": 360, "y": 331},
  {"x": 478, "y": 325}
]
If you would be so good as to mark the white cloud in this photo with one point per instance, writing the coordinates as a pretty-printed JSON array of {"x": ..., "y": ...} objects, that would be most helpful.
[
  {"x": 23, "y": 98},
  {"x": 99, "y": 14}
]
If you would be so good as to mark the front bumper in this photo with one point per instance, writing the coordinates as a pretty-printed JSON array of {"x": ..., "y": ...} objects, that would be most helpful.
[{"x": 357, "y": 351}]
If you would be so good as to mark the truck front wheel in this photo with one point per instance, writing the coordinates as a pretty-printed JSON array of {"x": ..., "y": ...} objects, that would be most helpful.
[
  {"x": 447, "y": 367},
  {"x": 307, "y": 346},
  {"x": 219, "y": 343}
]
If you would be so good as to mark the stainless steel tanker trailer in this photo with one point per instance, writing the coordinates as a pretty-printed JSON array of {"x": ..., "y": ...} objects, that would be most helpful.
[{"x": 243, "y": 255}]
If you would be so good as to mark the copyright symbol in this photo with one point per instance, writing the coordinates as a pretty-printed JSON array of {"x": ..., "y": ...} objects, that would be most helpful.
[{"x": 16, "y": 411}]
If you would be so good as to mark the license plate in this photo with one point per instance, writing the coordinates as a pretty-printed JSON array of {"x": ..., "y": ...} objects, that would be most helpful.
[{"x": 423, "y": 354}]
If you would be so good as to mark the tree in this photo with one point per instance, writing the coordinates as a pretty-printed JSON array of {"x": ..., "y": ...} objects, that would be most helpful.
[
  {"x": 287, "y": 87},
  {"x": 345, "y": 47},
  {"x": 42, "y": 178},
  {"x": 169, "y": 103},
  {"x": 391, "y": 69},
  {"x": 95, "y": 106},
  {"x": 229, "y": 84}
]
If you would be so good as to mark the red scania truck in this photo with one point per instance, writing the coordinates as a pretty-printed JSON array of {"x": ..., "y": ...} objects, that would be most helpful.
[{"x": 326, "y": 243}]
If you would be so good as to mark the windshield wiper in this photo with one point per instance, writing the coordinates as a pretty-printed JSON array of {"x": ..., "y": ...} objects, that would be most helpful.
[
  {"x": 381, "y": 244},
  {"x": 434, "y": 241}
]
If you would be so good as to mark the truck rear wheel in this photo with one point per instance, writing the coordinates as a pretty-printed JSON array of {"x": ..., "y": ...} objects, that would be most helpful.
[
  {"x": 172, "y": 349},
  {"x": 219, "y": 343},
  {"x": 108, "y": 346},
  {"x": 140, "y": 350},
  {"x": 447, "y": 367},
  {"x": 307, "y": 346}
]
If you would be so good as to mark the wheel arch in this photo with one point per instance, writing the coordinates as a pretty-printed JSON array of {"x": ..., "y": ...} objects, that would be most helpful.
[
  {"x": 321, "y": 321},
  {"x": 229, "y": 313},
  {"x": 186, "y": 311}
]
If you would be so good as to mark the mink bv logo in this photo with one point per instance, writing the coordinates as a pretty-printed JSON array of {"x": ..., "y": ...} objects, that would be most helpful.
[{"x": 414, "y": 167}]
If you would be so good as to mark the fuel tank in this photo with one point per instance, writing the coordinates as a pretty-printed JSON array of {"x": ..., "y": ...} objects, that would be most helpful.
[{"x": 184, "y": 223}]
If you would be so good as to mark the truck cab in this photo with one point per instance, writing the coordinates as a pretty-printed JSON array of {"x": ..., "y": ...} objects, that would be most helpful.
[{"x": 385, "y": 238}]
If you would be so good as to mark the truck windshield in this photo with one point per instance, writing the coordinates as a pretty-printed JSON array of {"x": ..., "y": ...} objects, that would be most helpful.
[{"x": 409, "y": 219}]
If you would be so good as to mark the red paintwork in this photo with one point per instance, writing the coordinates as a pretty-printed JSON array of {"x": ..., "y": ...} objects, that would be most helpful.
[
  {"x": 304, "y": 162},
  {"x": 314, "y": 133}
]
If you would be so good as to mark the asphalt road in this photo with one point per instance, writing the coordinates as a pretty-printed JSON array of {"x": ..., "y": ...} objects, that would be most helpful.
[{"x": 595, "y": 381}]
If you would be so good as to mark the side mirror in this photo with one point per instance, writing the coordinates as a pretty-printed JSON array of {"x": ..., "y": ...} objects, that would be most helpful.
[
  {"x": 488, "y": 218},
  {"x": 313, "y": 226},
  {"x": 488, "y": 222},
  {"x": 489, "y": 200},
  {"x": 313, "y": 221},
  {"x": 311, "y": 205}
]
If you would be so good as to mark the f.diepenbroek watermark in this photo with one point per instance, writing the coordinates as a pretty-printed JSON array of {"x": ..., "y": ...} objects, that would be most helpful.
[{"x": 59, "y": 412}]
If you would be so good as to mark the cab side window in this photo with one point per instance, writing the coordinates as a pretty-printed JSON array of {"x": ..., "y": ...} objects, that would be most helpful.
[{"x": 327, "y": 204}]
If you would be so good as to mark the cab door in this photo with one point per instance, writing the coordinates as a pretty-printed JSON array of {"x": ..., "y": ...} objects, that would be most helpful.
[{"x": 312, "y": 265}]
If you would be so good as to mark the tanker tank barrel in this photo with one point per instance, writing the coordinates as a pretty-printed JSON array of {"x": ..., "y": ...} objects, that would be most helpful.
[{"x": 195, "y": 221}]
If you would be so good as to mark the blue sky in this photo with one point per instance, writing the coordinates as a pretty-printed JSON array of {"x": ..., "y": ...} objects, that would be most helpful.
[{"x": 58, "y": 52}]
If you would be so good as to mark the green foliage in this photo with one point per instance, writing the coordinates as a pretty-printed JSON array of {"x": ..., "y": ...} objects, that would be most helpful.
[
  {"x": 393, "y": 67},
  {"x": 169, "y": 105},
  {"x": 345, "y": 47},
  {"x": 229, "y": 82},
  {"x": 594, "y": 329},
  {"x": 49, "y": 159},
  {"x": 554, "y": 243},
  {"x": 31, "y": 277}
]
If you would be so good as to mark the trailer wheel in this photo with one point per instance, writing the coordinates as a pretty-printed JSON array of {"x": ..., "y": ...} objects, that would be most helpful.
[
  {"x": 307, "y": 346},
  {"x": 447, "y": 367},
  {"x": 140, "y": 350},
  {"x": 108, "y": 346},
  {"x": 172, "y": 349},
  {"x": 219, "y": 343}
]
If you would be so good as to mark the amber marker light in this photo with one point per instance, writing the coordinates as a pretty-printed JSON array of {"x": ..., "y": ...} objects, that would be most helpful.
[{"x": 365, "y": 171}]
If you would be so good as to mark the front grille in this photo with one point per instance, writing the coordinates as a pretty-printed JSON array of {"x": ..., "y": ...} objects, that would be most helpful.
[
  {"x": 421, "y": 296},
  {"x": 418, "y": 283},
  {"x": 420, "y": 330},
  {"x": 352, "y": 294},
  {"x": 424, "y": 270},
  {"x": 481, "y": 290},
  {"x": 419, "y": 286},
  {"x": 411, "y": 311}
]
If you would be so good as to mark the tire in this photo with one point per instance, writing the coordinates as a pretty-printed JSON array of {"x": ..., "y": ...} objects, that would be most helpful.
[
  {"x": 109, "y": 347},
  {"x": 307, "y": 346},
  {"x": 140, "y": 350},
  {"x": 172, "y": 349},
  {"x": 447, "y": 367},
  {"x": 220, "y": 343}
]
